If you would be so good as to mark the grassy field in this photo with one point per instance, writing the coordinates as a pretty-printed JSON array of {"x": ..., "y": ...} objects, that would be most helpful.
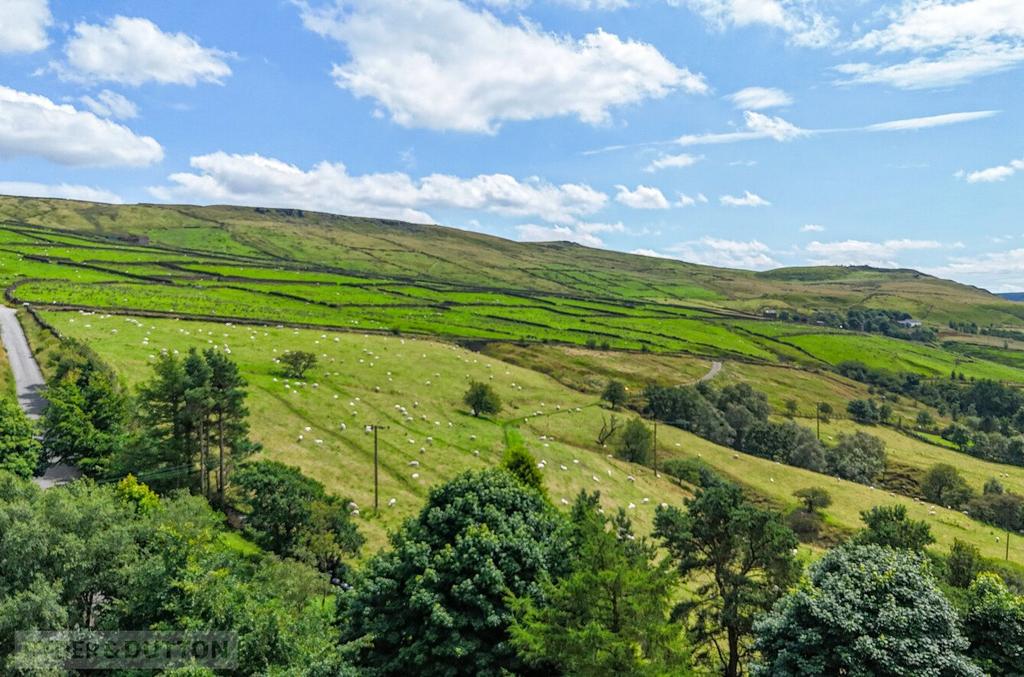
[{"x": 427, "y": 379}]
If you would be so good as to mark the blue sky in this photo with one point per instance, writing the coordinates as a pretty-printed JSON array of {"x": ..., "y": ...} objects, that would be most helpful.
[{"x": 747, "y": 133}]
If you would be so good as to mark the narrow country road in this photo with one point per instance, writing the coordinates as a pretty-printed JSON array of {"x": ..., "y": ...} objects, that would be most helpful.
[
  {"x": 28, "y": 385},
  {"x": 28, "y": 379}
]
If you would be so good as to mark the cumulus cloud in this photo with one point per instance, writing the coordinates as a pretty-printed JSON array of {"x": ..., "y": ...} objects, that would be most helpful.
[
  {"x": 711, "y": 251},
  {"x": 62, "y": 190},
  {"x": 31, "y": 124},
  {"x": 471, "y": 72},
  {"x": 572, "y": 4},
  {"x": 866, "y": 253},
  {"x": 587, "y": 234},
  {"x": 748, "y": 199},
  {"x": 23, "y": 27},
  {"x": 1003, "y": 270},
  {"x": 812, "y": 228},
  {"x": 992, "y": 174},
  {"x": 759, "y": 98},
  {"x": 256, "y": 180},
  {"x": 673, "y": 162},
  {"x": 805, "y": 25},
  {"x": 943, "y": 43},
  {"x": 134, "y": 51},
  {"x": 644, "y": 197},
  {"x": 110, "y": 104}
]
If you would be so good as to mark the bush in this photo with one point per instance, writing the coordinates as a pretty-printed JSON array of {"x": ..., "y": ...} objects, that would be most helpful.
[
  {"x": 813, "y": 498},
  {"x": 963, "y": 564}
]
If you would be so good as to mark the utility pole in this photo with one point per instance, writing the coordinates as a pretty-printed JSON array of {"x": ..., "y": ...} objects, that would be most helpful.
[
  {"x": 655, "y": 447},
  {"x": 817, "y": 418},
  {"x": 376, "y": 494},
  {"x": 1007, "y": 545}
]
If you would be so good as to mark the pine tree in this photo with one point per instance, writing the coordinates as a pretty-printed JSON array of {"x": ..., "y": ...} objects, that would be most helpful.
[{"x": 227, "y": 391}]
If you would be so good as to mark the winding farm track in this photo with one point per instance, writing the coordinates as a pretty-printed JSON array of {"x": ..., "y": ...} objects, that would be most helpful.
[
  {"x": 716, "y": 367},
  {"x": 28, "y": 385}
]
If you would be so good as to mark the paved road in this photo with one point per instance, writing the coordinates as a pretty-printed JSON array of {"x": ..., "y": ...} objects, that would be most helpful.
[
  {"x": 28, "y": 380},
  {"x": 29, "y": 384}
]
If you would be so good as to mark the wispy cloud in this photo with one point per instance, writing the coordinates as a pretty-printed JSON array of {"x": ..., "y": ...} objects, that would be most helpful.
[
  {"x": 673, "y": 162},
  {"x": 812, "y": 228},
  {"x": 760, "y": 98}
]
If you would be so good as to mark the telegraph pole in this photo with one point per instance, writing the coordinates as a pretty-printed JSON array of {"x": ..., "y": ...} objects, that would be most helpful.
[
  {"x": 817, "y": 418},
  {"x": 1007, "y": 545},
  {"x": 655, "y": 447},
  {"x": 376, "y": 495}
]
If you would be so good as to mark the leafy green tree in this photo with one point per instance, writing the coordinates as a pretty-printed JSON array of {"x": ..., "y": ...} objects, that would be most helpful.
[
  {"x": 88, "y": 413},
  {"x": 635, "y": 442},
  {"x": 994, "y": 625},
  {"x": 943, "y": 485},
  {"x": 963, "y": 564},
  {"x": 615, "y": 394},
  {"x": 864, "y": 611},
  {"x": 858, "y": 457},
  {"x": 609, "y": 615},
  {"x": 888, "y": 525},
  {"x": 482, "y": 399},
  {"x": 925, "y": 420},
  {"x": 292, "y": 514},
  {"x": 296, "y": 363},
  {"x": 742, "y": 557},
  {"x": 863, "y": 411},
  {"x": 20, "y": 451},
  {"x": 825, "y": 411},
  {"x": 813, "y": 498},
  {"x": 437, "y": 602},
  {"x": 523, "y": 466}
]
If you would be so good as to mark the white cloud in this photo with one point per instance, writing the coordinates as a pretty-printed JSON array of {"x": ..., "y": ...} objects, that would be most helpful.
[
  {"x": 62, "y": 190},
  {"x": 759, "y": 98},
  {"x": 673, "y": 162},
  {"x": 805, "y": 25},
  {"x": 688, "y": 201},
  {"x": 861, "y": 252},
  {"x": 644, "y": 197},
  {"x": 31, "y": 124},
  {"x": 110, "y": 104},
  {"x": 582, "y": 233},
  {"x": 712, "y": 251},
  {"x": 1003, "y": 269},
  {"x": 748, "y": 199},
  {"x": 134, "y": 51},
  {"x": 438, "y": 64},
  {"x": 256, "y": 180},
  {"x": 758, "y": 126},
  {"x": 953, "y": 41},
  {"x": 812, "y": 228},
  {"x": 993, "y": 174},
  {"x": 604, "y": 5},
  {"x": 23, "y": 25},
  {"x": 931, "y": 121}
]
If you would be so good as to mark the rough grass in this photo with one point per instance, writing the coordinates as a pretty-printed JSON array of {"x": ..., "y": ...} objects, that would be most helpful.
[{"x": 425, "y": 377}]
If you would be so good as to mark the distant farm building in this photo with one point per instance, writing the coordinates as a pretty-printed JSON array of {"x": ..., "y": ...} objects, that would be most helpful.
[{"x": 910, "y": 323}]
